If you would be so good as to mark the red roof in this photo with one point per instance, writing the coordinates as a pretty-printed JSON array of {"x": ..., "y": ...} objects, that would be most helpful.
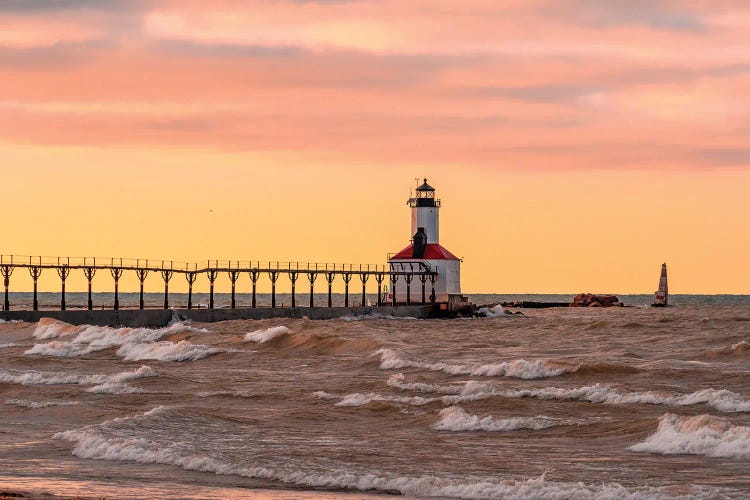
[{"x": 433, "y": 251}]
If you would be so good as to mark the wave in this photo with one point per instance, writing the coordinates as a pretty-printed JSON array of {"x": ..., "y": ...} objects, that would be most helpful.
[
  {"x": 11, "y": 344},
  {"x": 25, "y": 403},
  {"x": 33, "y": 377},
  {"x": 263, "y": 336},
  {"x": 455, "y": 418},
  {"x": 327, "y": 344},
  {"x": 741, "y": 348},
  {"x": 720, "y": 399},
  {"x": 324, "y": 395},
  {"x": 699, "y": 435},
  {"x": 92, "y": 442},
  {"x": 166, "y": 351},
  {"x": 358, "y": 399},
  {"x": 517, "y": 368},
  {"x": 397, "y": 380},
  {"x": 133, "y": 343},
  {"x": 233, "y": 394},
  {"x": 48, "y": 328},
  {"x": 493, "y": 312},
  {"x": 115, "y": 388}
]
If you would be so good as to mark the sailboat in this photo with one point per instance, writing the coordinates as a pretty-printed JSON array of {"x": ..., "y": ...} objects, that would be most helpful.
[{"x": 661, "y": 299}]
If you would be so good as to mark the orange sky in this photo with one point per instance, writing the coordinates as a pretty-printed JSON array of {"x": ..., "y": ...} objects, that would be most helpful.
[{"x": 575, "y": 145}]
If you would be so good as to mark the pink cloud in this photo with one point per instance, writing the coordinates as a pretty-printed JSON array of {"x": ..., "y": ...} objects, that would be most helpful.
[{"x": 525, "y": 84}]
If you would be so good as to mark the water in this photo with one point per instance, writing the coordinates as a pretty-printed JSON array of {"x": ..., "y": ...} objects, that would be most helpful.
[
  {"x": 129, "y": 300},
  {"x": 559, "y": 403}
]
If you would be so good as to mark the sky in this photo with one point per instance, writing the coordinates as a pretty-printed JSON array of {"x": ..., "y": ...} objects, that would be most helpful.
[{"x": 575, "y": 145}]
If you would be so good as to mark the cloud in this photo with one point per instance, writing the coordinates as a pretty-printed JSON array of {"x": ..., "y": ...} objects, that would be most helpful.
[
  {"x": 594, "y": 85},
  {"x": 656, "y": 14},
  {"x": 37, "y": 6},
  {"x": 723, "y": 157}
]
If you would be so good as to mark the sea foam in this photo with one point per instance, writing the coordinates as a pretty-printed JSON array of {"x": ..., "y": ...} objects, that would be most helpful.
[
  {"x": 166, "y": 351},
  {"x": 720, "y": 399},
  {"x": 698, "y": 435},
  {"x": 33, "y": 377},
  {"x": 133, "y": 343},
  {"x": 455, "y": 418},
  {"x": 493, "y": 312},
  {"x": 48, "y": 328},
  {"x": 358, "y": 399},
  {"x": 11, "y": 344},
  {"x": 397, "y": 380},
  {"x": 25, "y": 403},
  {"x": 517, "y": 368}
]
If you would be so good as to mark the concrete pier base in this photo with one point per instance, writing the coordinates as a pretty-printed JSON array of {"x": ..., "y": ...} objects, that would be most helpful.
[{"x": 161, "y": 317}]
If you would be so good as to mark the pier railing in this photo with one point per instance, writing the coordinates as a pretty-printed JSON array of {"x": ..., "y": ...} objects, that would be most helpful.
[{"x": 212, "y": 269}]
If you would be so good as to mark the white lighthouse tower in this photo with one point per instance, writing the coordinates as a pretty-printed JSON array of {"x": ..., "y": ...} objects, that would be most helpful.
[{"x": 425, "y": 252}]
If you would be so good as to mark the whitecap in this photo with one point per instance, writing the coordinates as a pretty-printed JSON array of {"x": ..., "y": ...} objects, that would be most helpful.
[
  {"x": 49, "y": 328},
  {"x": 493, "y": 312},
  {"x": 92, "y": 442},
  {"x": 357, "y": 399},
  {"x": 720, "y": 399},
  {"x": 25, "y": 403},
  {"x": 33, "y": 377},
  {"x": 134, "y": 343},
  {"x": 698, "y": 435},
  {"x": 517, "y": 368},
  {"x": 11, "y": 344},
  {"x": 454, "y": 418},
  {"x": 112, "y": 387},
  {"x": 323, "y": 395},
  {"x": 166, "y": 351},
  {"x": 262, "y": 336},
  {"x": 397, "y": 380}
]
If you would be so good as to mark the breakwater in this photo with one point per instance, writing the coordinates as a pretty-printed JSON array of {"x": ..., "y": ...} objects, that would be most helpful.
[{"x": 161, "y": 317}]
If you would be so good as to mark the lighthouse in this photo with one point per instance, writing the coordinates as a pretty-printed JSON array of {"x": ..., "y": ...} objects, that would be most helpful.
[{"x": 426, "y": 253}]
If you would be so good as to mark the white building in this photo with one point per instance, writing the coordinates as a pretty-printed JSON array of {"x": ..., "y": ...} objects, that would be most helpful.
[{"x": 425, "y": 252}]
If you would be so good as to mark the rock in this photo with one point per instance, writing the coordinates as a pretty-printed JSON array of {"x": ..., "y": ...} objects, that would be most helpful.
[{"x": 592, "y": 300}]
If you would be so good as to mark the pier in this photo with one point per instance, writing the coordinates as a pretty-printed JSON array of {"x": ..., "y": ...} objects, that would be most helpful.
[{"x": 166, "y": 270}]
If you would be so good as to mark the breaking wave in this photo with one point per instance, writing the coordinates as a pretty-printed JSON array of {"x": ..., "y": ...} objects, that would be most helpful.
[
  {"x": 25, "y": 403},
  {"x": 493, "y": 312},
  {"x": 455, "y": 418},
  {"x": 518, "y": 368},
  {"x": 324, "y": 395},
  {"x": 134, "y": 343},
  {"x": 92, "y": 442},
  {"x": 49, "y": 328},
  {"x": 263, "y": 336},
  {"x": 720, "y": 399},
  {"x": 699, "y": 435},
  {"x": 358, "y": 399},
  {"x": 397, "y": 380},
  {"x": 166, "y": 351},
  {"x": 11, "y": 344},
  {"x": 33, "y": 377}
]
